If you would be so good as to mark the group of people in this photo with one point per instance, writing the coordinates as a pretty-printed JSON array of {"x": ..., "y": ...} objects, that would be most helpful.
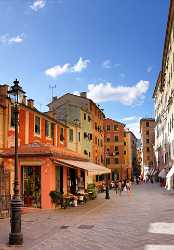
[{"x": 124, "y": 185}]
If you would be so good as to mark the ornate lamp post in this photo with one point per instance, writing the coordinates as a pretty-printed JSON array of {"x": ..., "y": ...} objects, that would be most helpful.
[
  {"x": 107, "y": 197},
  {"x": 15, "y": 236}
]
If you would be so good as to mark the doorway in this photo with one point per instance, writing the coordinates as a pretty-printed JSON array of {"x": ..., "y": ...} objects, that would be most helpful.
[{"x": 31, "y": 186}]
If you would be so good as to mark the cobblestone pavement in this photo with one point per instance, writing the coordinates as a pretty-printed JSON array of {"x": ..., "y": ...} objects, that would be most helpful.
[{"x": 142, "y": 220}]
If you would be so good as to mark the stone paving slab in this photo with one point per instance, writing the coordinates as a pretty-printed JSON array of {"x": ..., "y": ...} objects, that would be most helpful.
[{"x": 131, "y": 222}]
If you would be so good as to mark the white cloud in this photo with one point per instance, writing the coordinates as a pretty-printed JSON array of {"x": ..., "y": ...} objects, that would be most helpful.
[
  {"x": 80, "y": 65},
  {"x": 67, "y": 68},
  {"x": 6, "y": 39},
  {"x": 58, "y": 70},
  {"x": 149, "y": 69},
  {"x": 130, "y": 118},
  {"x": 127, "y": 95},
  {"x": 38, "y": 4},
  {"x": 134, "y": 127},
  {"x": 107, "y": 64}
]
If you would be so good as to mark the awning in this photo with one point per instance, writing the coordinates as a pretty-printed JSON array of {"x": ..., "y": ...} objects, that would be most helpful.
[
  {"x": 86, "y": 165},
  {"x": 162, "y": 173},
  {"x": 170, "y": 173},
  {"x": 169, "y": 179}
]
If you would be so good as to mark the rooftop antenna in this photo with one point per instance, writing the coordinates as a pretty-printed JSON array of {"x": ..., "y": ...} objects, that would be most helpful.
[{"x": 52, "y": 87}]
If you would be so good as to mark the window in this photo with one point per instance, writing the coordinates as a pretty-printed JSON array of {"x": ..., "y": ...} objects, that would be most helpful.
[
  {"x": 47, "y": 128},
  {"x": 79, "y": 135},
  {"x": 108, "y": 139},
  {"x": 147, "y": 140},
  {"x": 116, "y": 148},
  {"x": 147, "y": 124},
  {"x": 147, "y": 132},
  {"x": 85, "y": 135},
  {"x": 101, "y": 143},
  {"x": 85, "y": 152},
  {"x": 116, "y": 161},
  {"x": 89, "y": 154},
  {"x": 108, "y": 128},
  {"x": 125, "y": 152},
  {"x": 107, "y": 161},
  {"x": 107, "y": 149},
  {"x": 89, "y": 118},
  {"x": 52, "y": 130},
  {"x": 61, "y": 134},
  {"x": 147, "y": 149},
  {"x": 71, "y": 135},
  {"x": 116, "y": 138},
  {"x": 115, "y": 127},
  {"x": 84, "y": 116},
  {"x": 124, "y": 134},
  {"x": 90, "y": 136},
  {"x": 37, "y": 125},
  {"x": 12, "y": 123},
  {"x": 124, "y": 143}
]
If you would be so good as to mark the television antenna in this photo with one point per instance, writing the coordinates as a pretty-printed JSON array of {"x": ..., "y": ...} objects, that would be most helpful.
[{"x": 52, "y": 87}]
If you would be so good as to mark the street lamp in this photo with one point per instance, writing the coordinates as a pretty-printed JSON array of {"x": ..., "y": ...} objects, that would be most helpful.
[
  {"x": 107, "y": 197},
  {"x": 16, "y": 236}
]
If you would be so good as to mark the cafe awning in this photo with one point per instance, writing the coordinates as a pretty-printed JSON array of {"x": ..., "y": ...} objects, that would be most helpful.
[{"x": 91, "y": 167}]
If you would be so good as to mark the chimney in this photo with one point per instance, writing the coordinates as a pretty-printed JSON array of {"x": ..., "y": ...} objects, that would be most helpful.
[
  {"x": 83, "y": 94},
  {"x": 24, "y": 99},
  {"x": 54, "y": 98},
  {"x": 30, "y": 103},
  {"x": 4, "y": 90}
]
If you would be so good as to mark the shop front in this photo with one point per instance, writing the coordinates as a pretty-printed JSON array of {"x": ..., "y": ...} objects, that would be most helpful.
[{"x": 45, "y": 168}]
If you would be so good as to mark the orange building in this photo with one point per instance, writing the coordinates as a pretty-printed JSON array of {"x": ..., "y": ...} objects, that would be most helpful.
[
  {"x": 114, "y": 145},
  {"x": 45, "y": 164}
]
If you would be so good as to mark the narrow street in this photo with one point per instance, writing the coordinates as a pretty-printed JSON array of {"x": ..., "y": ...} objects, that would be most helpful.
[{"x": 141, "y": 220}]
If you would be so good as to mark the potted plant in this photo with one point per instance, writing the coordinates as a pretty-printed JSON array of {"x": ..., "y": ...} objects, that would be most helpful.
[{"x": 55, "y": 197}]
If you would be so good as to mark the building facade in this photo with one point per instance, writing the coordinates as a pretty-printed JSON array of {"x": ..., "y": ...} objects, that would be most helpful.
[
  {"x": 70, "y": 108},
  {"x": 164, "y": 101},
  {"x": 147, "y": 131},
  {"x": 114, "y": 148},
  {"x": 45, "y": 162}
]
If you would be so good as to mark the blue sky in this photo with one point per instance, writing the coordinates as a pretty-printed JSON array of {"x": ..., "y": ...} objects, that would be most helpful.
[{"x": 110, "y": 48}]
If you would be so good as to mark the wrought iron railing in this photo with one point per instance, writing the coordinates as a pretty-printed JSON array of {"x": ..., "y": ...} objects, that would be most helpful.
[{"x": 4, "y": 205}]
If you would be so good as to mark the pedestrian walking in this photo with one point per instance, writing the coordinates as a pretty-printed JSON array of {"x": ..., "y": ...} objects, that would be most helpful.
[
  {"x": 119, "y": 187},
  {"x": 116, "y": 187}
]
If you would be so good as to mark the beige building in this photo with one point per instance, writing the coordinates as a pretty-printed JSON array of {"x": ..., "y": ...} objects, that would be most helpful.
[
  {"x": 164, "y": 101},
  {"x": 147, "y": 130},
  {"x": 130, "y": 156},
  {"x": 72, "y": 110}
]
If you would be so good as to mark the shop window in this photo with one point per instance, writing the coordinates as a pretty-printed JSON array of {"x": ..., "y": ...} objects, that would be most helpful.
[
  {"x": 37, "y": 125},
  {"x": 71, "y": 135},
  {"x": 12, "y": 123}
]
